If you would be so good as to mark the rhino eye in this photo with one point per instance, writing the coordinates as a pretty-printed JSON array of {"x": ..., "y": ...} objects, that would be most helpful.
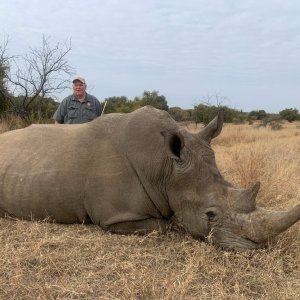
[{"x": 211, "y": 215}]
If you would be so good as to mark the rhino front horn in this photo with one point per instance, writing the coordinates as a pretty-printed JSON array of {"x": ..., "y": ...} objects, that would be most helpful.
[{"x": 265, "y": 224}]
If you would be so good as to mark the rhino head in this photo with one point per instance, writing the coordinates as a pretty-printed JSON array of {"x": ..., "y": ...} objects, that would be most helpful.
[{"x": 209, "y": 207}]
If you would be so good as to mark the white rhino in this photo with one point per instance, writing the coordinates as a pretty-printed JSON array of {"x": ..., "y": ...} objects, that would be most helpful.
[{"x": 131, "y": 173}]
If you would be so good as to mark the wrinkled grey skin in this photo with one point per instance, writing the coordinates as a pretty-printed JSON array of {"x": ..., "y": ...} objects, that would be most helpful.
[{"x": 131, "y": 173}]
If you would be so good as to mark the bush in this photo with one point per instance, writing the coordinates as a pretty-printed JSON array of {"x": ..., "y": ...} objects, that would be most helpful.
[
  {"x": 257, "y": 115},
  {"x": 290, "y": 114},
  {"x": 179, "y": 114},
  {"x": 204, "y": 114},
  {"x": 275, "y": 125}
]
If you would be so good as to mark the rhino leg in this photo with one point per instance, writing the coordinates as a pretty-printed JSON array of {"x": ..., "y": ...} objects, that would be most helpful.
[{"x": 139, "y": 227}]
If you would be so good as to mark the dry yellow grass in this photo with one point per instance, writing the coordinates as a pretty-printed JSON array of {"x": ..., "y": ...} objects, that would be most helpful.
[
  {"x": 11, "y": 122},
  {"x": 53, "y": 261}
]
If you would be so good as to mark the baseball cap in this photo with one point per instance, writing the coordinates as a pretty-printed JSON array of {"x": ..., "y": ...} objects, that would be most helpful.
[{"x": 79, "y": 78}]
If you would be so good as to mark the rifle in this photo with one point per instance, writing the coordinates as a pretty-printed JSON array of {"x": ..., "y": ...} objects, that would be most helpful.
[{"x": 103, "y": 108}]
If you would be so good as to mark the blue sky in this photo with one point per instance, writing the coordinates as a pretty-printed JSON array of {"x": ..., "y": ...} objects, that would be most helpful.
[{"x": 245, "y": 51}]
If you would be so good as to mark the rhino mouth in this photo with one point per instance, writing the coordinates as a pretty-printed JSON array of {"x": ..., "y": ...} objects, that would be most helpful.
[
  {"x": 240, "y": 244},
  {"x": 256, "y": 245}
]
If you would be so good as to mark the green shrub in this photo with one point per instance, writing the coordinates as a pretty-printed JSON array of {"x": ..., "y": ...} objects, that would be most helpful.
[
  {"x": 290, "y": 114},
  {"x": 275, "y": 126}
]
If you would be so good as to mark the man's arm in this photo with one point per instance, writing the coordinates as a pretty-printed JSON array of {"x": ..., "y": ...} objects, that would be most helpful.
[{"x": 98, "y": 107}]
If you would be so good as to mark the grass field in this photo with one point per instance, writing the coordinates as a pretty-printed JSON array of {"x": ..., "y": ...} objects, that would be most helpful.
[{"x": 52, "y": 261}]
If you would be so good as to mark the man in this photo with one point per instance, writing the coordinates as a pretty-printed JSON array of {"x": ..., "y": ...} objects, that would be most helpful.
[{"x": 80, "y": 107}]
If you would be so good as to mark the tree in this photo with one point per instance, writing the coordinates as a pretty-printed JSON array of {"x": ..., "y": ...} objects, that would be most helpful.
[
  {"x": 4, "y": 67},
  {"x": 117, "y": 104},
  {"x": 42, "y": 72},
  {"x": 179, "y": 114},
  {"x": 151, "y": 98},
  {"x": 290, "y": 114},
  {"x": 40, "y": 109},
  {"x": 122, "y": 104},
  {"x": 216, "y": 98},
  {"x": 204, "y": 113},
  {"x": 205, "y": 110},
  {"x": 257, "y": 115}
]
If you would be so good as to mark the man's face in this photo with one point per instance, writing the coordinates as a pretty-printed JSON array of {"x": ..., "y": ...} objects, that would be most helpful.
[{"x": 79, "y": 89}]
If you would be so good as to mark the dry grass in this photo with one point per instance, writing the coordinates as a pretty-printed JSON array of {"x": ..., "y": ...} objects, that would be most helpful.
[
  {"x": 52, "y": 261},
  {"x": 247, "y": 154},
  {"x": 10, "y": 122}
]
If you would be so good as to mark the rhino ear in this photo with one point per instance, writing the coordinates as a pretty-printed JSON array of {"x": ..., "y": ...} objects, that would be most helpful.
[
  {"x": 214, "y": 128},
  {"x": 173, "y": 142}
]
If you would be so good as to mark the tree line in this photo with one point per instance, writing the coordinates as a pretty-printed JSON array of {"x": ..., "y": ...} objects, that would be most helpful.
[{"x": 28, "y": 83}]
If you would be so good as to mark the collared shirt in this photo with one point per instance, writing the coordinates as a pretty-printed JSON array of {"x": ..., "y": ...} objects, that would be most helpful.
[{"x": 72, "y": 111}]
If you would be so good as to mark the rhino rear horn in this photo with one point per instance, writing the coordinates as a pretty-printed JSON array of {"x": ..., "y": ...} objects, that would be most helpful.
[
  {"x": 214, "y": 128},
  {"x": 248, "y": 198},
  {"x": 174, "y": 142}
]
